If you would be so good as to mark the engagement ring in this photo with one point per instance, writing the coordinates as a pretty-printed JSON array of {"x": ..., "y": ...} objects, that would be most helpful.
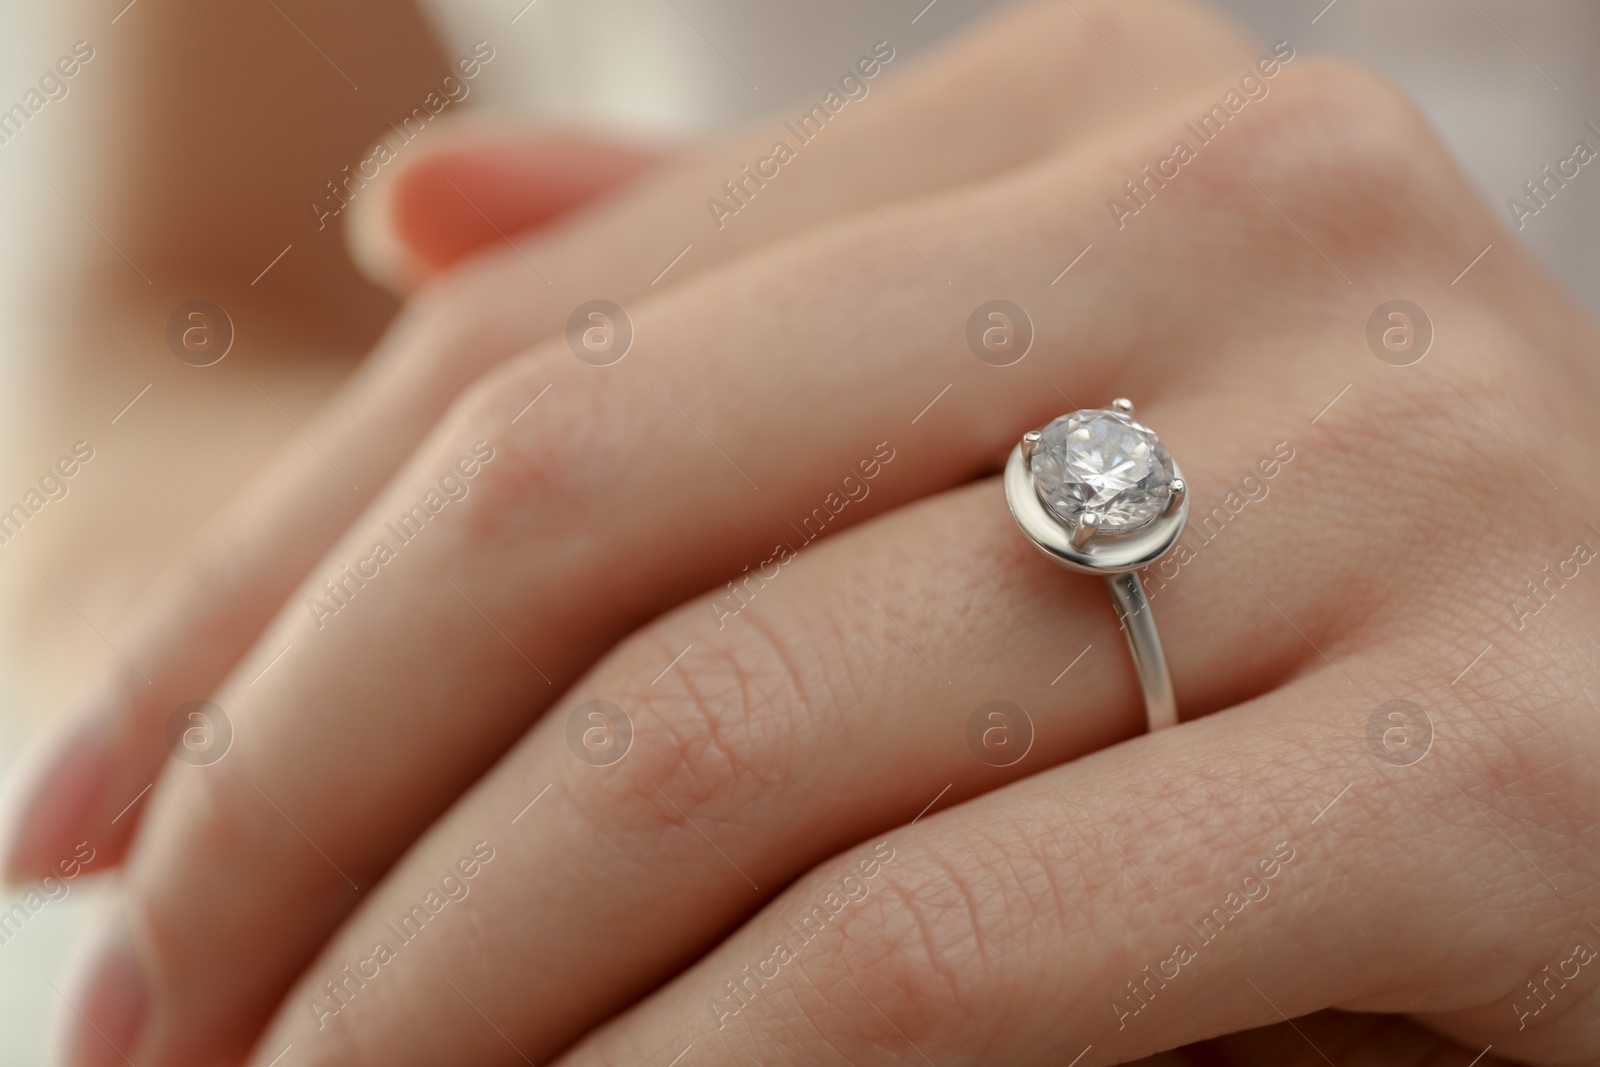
[{"x": 1098, "y": 493}]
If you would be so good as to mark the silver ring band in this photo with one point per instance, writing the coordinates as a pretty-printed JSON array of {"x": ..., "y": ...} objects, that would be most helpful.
[
  {"x": 1133, "y": 611},
  {"x": 1098, "y": 494}
]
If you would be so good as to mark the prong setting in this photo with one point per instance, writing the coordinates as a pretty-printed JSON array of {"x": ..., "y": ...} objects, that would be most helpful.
[
  {"x": 1179, "y": 492},
  {"x": 1098, "y": 493},
  {"x": 1102, "y": 533},
  {"x": 1084, "y": 532}
]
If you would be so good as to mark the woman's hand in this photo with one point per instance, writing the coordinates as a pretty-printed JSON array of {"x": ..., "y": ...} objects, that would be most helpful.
[
  {"x": 807, "y": 851},
  {"x": 998, "y": 100}
]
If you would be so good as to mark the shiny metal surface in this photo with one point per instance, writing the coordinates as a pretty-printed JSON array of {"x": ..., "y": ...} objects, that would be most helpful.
[{"x": 1114, "y": 557}]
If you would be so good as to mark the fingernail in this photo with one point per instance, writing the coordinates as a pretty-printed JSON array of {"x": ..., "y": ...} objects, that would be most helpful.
[
  {"x": 374, "y": 241},
  {"x": 52, "y": 797},
  {"x": 105, "y": 1007}
]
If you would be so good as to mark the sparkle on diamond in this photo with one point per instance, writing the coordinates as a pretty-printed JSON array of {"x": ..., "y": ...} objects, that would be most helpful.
[{"x": 1104, "y": 463}]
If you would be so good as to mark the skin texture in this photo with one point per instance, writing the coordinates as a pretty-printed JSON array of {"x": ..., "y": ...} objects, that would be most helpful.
[{"x": 811, "y": 749}]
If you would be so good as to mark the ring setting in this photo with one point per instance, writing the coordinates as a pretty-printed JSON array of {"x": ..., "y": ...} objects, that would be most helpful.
[{"x": 1098, "y": 493}]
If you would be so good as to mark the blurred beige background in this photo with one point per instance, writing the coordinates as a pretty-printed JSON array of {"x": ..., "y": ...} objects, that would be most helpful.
[{"x": 1509, "y": 84}]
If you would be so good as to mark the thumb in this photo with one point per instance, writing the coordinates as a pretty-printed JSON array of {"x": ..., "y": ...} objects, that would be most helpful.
[{"x": 475, "y": 187}]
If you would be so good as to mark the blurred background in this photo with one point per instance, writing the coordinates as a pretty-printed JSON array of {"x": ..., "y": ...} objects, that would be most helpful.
[{"x": 179, "y": 159}]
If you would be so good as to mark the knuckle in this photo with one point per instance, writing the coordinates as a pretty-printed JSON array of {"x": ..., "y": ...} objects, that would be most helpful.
[
  {"x": 1029, "y": 26},
  {"x": 947, "y": 934},
  {"x": 214, "y": 594},
  {"x": 1339, "y": 115},
  {"x": 1351, "y": 159},
  {"x": 1040, "y": 22},
  {"x": 1023, "y": 53},
  {"x": 929, "y": 945},
  {"x": 1431, "y": 445},
  {"x": 714, "y": 725},
  {"x": 537, "y": 469},
  {"x": 192, "y": 816},
  {"x": 1433, "y": 432}
]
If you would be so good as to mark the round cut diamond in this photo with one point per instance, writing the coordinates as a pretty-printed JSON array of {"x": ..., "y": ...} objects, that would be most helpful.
[{"x": 1102, "y": 463}]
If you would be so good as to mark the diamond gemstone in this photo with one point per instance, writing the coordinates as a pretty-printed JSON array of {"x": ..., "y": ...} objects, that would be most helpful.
[{"x": 1102, "y": 463}]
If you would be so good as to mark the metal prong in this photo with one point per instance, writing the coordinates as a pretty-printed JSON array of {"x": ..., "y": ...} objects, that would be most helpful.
[
  {"x": 1030, "y": 441},
  {"x": 1084, "y": 532},
  {"x": 1122, "y": 406},
  {"x": 1174, "y": 502}
]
